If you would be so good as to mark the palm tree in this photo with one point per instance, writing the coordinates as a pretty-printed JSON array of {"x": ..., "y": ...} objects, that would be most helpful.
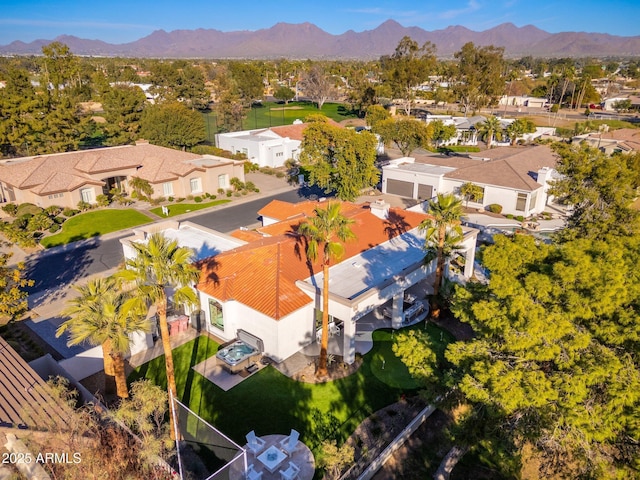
[
  {"x": 101, "y": 315},
  {"x": 489, "y": 129},
  {"x": 159, "y": 264},
  {"x": 443, "y": 234},
  {"x": 326, "y": 231}
]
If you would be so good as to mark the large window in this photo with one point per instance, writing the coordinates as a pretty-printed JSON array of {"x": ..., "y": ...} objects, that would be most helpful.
[
  {"x": 167, "y": 189},
  {"x": 215, "y": 314},
  {"x": 222, "y": 181},
  {"x": 196, "y": 185},
  {"x": 521, "y": 203},
  {"x": 87, "y": 195}
]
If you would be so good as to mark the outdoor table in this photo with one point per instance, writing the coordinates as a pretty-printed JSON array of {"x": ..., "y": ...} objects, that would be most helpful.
[{"x": 271, "y": 458}]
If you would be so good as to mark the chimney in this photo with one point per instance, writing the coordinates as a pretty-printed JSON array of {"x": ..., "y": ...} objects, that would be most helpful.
[
  {"x": 380, "y": 209},
  {"x": 545, "y": 174}
]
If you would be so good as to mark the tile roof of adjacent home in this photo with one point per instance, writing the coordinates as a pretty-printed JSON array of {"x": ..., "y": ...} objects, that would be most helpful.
[
  {"x": 47, "y": 174},
  {"x": 510, "y": 167},
  {"x": 263, "y": 273},
  {"x": 294, "y": 132},
  {"x": 25, "y": 399}
]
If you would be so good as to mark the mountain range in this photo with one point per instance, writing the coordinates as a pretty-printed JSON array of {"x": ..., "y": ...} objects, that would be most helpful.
[{"x": 305, "y": 40}]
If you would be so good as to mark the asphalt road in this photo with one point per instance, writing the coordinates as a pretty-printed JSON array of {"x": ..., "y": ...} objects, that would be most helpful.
[{"x": 53, "y": 271}]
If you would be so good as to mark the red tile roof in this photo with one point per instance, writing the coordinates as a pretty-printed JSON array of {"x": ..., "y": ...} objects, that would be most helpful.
[
  {"x": 294, "y": 132},
  {"x": 263, "y": 273}
]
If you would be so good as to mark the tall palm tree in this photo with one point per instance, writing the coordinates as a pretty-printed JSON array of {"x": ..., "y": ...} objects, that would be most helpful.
[
  {"x": 489, "y": 129},
  {"x": 158, "y": 265},
  {"x": 100, "y": 315},
  {"x": 443, "y": 234},
  {"x": 327, "y": 231}
]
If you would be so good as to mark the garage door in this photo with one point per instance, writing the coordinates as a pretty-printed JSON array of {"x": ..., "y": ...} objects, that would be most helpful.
[
  {"x": 425, "y": 192},
  {"x": 399, "y": 187}
]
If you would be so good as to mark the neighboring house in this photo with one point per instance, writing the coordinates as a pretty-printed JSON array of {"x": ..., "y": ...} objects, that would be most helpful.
[
  {"x": 262, "y": 283},
  {"x": 466, "y": 128},
  {"x": 26, "y": 401},
  {"x": 623, "y": 140},
  {"x": 267, "y": 147},
  {"x": 65, "y": 179},
  {"x": 523, "y": 101},
  {"x": 517, "y": 178}
]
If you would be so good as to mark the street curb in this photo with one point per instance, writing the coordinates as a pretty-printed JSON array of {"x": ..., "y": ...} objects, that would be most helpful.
[{"x": 129, "y": 231}]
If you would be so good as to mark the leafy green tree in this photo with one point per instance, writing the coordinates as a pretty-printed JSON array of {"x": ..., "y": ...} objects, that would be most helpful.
[
  {"x": 158, "y": 265},
  {"x": 600, "y": 189},
  {"x": 247, "y": 77},
  {"x": 471, "y": 192},
  {"x": 60, "y": 67},
  {"x": 443, "y": 234},
  {"x": 441, "y": 133},
  {"x": 123, "y": 106},
  {"x": 19, "y": 114},
  {"x": 406, "y": 132},
  {"x": 172, "y": 125},
  {"x": 519, "y": 127},
  {"x": 339, "y": 159},
  {"x": 179, "y": 81},
  {"x": 284, "y": 94},
  {"x": 554, "y": 362},
  {"x": 490, "y": 129},
  {"x": 408, "y": 67},
  {"x": 334, "y": 459},
  {"x": 101, "y": 316},
  {"x": 479, "y": 79},
  {"x": 13, "y": 297},
  {"x": 622, "y": 105},
  {"x": 326, "y": 233},
  {"x": 376, "y": 114}
]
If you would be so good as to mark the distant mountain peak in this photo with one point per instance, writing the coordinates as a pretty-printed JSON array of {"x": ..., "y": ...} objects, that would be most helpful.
[{"x": 306, "y": 40}]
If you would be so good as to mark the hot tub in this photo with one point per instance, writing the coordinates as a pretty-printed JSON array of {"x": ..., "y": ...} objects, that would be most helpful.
[{"x": 236, "y": 356}]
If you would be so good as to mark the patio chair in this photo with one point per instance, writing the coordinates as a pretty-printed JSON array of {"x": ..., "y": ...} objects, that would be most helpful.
[
  {"x": 334, "y": 329},
  {"x": 290, "y": 443},
  {"x": 254, "y": 444},
  {"x": 251, "y": 473},
  {"x": 290, "y": 473}
]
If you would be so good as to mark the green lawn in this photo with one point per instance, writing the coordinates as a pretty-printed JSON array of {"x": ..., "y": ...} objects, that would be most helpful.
[
  {"x": 317, "y": 411},
  {"x": 271, "y": 114},
  {"x": 180, "y": 208},
  {"x": 91, "y": 224}
]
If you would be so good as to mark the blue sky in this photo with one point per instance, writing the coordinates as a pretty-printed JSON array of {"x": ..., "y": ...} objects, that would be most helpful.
[{"x": 121, "y": 21}]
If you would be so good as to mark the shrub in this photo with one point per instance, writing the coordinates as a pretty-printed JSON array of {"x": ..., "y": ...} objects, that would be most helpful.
[
  {"x": 103, "y": 200},
  {"x": 221, "y": 191},
  {"x": 213, "y": 197},
  {"x": 509, "y": 215},
  {"x": 554, "y": 108},
  {"x": 495, "y": 208},
  {"x": 250, "y": 186},
  {"x": 189, "y": 197},
  {"x": 53, "y": 210},
  {"x": 21, "y": 222},
  {"x": 229, "y": 193},
  {"x": 28, "y": 208},
  {"x": 69, "y": 212},
  {"x": 170, "y": 199},
  {"x": 59, "y": 220},
  {"x": 84, "y": 206},
  {"x": 54, "y": 228},
  {"x": 10, "y": 209},
  {"x": 178, "y": 200},
  {"x": 197, "y": 199},
  {"x": 520, "y": 218},
  {"x": 280, "y": 174}
]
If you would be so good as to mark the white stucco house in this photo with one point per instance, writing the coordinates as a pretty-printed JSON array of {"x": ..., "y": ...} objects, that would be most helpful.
[
  {"x": 261, "y": 283},
  {"x": 517, "y": 178}
]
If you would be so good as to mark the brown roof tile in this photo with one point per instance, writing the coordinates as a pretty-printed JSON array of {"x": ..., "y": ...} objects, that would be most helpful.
[{"x": 263, "y": 273}]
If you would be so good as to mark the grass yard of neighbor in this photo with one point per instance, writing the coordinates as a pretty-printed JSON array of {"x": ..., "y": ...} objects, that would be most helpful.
[
  {"x": 272, "y": 114},
  {"x": 180, "y": 208},
  {"x": 92, "y": 224},
  {"x": 329, "y": 410}
]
